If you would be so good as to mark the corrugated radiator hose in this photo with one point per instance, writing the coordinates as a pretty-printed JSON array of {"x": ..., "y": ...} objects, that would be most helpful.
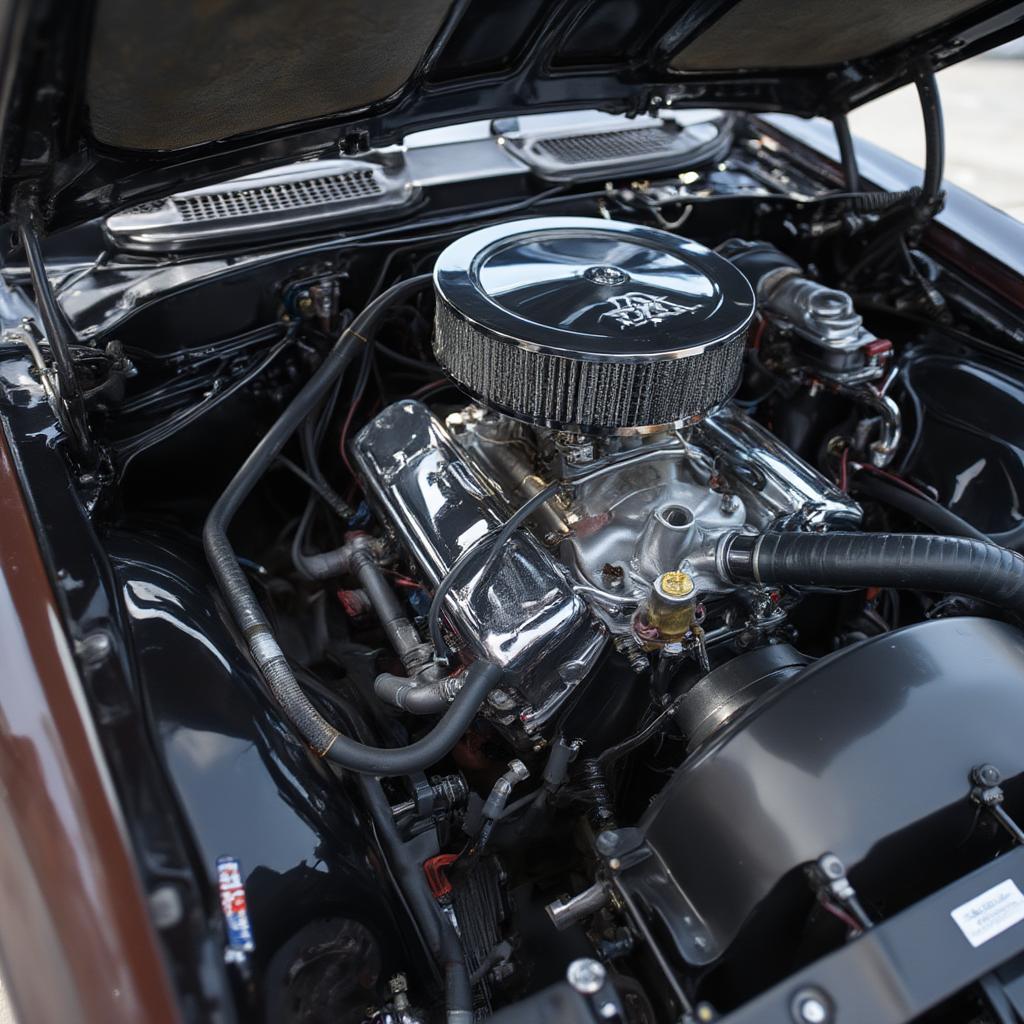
[{"x": 906, "y": 561}]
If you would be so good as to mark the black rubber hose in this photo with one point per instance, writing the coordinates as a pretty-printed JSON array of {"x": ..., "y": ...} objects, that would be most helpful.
[
  {"x": 481, "y": 678},
  {"x": 847, "y": 155},
  {"x": 933, "y": 515},
  {"x": 906, "y": 561},
  {"x": 934, "y": 136},
  {"x": 438, "y": 931}
]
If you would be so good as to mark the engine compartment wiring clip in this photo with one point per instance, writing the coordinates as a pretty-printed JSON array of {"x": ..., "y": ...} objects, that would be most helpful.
[
  {"x": 988, "y": 794},
  {"x": 827, "y": 876}
]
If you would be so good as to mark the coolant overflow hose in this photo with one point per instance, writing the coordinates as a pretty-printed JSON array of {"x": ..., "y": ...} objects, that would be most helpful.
[{"x": 907, "y": 561}]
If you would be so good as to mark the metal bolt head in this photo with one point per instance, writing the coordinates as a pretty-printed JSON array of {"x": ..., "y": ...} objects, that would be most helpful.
[
  {"x": 165, "y": 906},
  {"x": 501, "y": 700},
  {"x": 729, "y": 504},
  {"x": 94, "y": 648},
  {"x": 831, "y": 865},
  {"x": 813, "y": 1011},
  {"x": 811, "y": 1006},
  {"x": 586, "y": 976},
  {"x": 986, "y": 775}
]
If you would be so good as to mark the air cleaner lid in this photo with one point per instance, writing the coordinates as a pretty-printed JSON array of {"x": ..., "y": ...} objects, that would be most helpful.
[{"x": 594, "y": 290}]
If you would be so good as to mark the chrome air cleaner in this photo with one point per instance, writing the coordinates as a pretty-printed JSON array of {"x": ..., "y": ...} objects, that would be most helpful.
[{"x": 590, "y": 325}]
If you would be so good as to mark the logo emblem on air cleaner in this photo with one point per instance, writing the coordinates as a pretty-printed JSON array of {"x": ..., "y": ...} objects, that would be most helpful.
[
  {"x": 606, "y": 275},
  {"x": 637, "y": 309}
]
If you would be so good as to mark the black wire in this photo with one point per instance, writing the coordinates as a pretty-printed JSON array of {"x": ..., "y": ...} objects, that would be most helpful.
[
  {"x": 326, "y": 493},
  {"x": 311, "y": 436},
  {"x": 639, "y": 738},
  {"x": 405, "y": 360},
  {"x": 196, "y": 355},
  {"x": 163, "y": 394},
  {"x": 299, "y": 539},
  {"x": 125, "y": 451},
  {"x": 956, "y": 333},
  {"x": 686, "y": 200}
]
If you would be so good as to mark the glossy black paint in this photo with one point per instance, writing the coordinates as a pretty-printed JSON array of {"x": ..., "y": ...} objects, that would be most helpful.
[
  {"x": 201, "y": 764},
  {"x": 247, "y": 786},
  {"x": 889, "y": 975},
  {"x": 968, "y": 439},
  {"x": 100, "y": 638},
  {"x": 596, "y": 55},
  {"x": 866, "y": 753}
]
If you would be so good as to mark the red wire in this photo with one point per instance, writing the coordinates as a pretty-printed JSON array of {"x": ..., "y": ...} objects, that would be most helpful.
[
  {"x": 755, "y": 342},
  {"x": 841, "y": 914},
  {"x": 898, "y": 480},
  {"x": 427, "y": 388},
  {"x": 843, "y": 469},
  {"x": 342, "y": 447}
]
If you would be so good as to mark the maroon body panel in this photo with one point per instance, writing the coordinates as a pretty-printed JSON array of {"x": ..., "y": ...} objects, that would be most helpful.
[{"x": 75, "y": 937}]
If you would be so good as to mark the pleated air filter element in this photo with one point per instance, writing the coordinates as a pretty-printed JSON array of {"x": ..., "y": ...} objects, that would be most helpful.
[{"x": 590, "y": 325}]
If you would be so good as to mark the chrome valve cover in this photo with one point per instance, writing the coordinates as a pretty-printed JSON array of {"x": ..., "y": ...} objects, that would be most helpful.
[{"x": 525, "y": 616}]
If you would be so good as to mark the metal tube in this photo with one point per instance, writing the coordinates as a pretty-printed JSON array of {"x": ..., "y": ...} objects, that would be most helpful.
[{"x": 566, "y": 911}]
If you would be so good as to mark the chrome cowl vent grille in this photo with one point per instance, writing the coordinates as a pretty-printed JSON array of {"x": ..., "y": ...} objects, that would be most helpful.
[
  {"x": 599, "y": 147},
  {"x": 296, "y": 197},
  {"x": 618, "y": 145},
  {"x": 300, "y": 194},
  {"x": 590, "y": 325}
]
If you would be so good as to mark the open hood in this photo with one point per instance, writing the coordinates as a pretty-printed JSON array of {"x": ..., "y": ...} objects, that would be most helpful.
[{"x": 108, "y": 103}]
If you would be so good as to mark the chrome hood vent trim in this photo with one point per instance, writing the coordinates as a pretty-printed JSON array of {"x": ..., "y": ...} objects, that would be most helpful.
[
  {"x": 619, "y": 145},
  {"x": 286, "y": 199}
]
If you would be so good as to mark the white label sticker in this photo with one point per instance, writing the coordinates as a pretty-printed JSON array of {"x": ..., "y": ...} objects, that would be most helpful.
[{"x": 991, "y": 913}]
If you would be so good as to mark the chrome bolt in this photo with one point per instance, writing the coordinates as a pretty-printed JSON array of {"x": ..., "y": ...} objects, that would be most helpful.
[
  {"x": 165, "y": 906},
  {"x": 586, "y": 976},
  {"x": 94, "y": 648},
  {"x": 810, "y": 1006},
  {"x": 501, "y": 700}
]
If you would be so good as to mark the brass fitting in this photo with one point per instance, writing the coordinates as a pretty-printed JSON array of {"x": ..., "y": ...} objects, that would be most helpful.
[{"x": 667, "y": 614}]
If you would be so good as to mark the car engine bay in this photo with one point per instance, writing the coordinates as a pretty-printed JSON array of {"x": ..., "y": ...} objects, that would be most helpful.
[{"x": 592, "y": 604}]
